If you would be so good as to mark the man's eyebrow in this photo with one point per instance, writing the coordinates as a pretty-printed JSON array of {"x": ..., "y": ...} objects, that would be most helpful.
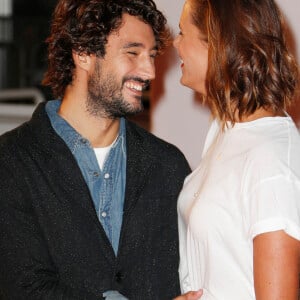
[{"x": 137, "y": 45}]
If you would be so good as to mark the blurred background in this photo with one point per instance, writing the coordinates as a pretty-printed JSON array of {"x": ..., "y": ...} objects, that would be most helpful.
[
  {"x": 172, "y": 111},
  {"x": 24, "y": 26}
]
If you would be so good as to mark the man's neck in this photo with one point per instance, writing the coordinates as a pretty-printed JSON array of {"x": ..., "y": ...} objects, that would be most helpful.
[{"x": 101, "y": 132}]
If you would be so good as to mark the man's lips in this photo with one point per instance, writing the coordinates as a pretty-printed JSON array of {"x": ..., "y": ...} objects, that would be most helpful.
[{"x": 134, "y": 86}]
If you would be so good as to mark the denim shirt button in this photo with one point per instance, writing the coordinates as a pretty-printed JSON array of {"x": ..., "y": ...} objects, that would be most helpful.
[
  {"x": 84, "y": 141},
  {"x": 104, "y": 214},
  {"x": 96, "y": 174},
  {"x": 106, "y": 176}
]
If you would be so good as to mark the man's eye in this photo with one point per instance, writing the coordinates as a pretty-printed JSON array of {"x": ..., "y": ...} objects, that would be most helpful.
[
  {"x": 132, "y": 53},
  {"x": 153, "y": 55}
]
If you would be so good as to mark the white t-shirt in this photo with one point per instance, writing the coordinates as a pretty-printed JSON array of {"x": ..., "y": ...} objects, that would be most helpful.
[
  {"x": 101, "y": 154},
  {"x": 247, "y": 183}
]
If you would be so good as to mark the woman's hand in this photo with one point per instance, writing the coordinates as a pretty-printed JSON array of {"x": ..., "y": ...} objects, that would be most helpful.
[{"x": 195, "y": 295}]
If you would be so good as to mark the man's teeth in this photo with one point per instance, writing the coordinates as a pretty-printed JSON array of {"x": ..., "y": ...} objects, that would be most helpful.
[{"x": 134, "y": 86}]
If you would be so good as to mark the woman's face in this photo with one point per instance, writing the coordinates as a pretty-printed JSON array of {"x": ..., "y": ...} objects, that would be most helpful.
[{"x": 192, "y": 48}]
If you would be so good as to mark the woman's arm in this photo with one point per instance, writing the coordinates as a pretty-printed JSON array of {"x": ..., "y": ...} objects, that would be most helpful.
[{"x": 276, "y": 266}]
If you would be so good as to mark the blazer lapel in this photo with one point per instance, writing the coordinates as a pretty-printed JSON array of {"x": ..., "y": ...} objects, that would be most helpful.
[
  {"x": 76, "y": 186},
  {"x": 139, "y": 168},
  {"x": 61, "y": 161}
]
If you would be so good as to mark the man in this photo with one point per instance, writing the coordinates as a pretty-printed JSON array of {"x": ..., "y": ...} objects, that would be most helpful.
[{"x": 87, "y": 198}]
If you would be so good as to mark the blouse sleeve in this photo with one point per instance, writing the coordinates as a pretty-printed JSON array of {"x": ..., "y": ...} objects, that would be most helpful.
[{"x": 274, "y": 205}]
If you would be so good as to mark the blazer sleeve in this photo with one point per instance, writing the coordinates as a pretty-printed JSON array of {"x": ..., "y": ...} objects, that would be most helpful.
[{"x": 27, "y": 271}]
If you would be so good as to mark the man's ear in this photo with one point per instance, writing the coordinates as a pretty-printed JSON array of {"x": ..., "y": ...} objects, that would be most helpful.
[{"x": 82, "y": 60}]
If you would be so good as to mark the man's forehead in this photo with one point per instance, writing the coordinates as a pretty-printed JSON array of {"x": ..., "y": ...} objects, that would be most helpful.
[
  {"x": 134, "y": 24},
  {"x": 132, "y": 44},
  {"x": 134, "y": 33}
]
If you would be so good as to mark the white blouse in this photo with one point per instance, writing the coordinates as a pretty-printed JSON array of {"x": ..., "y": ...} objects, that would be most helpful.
[{"x": 247, "y": 183}]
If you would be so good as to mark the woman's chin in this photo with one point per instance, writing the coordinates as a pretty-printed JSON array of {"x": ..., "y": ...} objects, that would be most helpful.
[
  {"x": 201, "y": 90},
  {"x": 185, "y": 83},
  {"x": 188, "y": 85}
]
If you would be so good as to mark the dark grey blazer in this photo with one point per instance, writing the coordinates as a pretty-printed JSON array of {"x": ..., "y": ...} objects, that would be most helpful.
[{"x": 52, "y": 245}]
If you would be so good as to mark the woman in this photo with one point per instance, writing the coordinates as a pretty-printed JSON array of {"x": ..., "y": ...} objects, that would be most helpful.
[{"x": 239, "y": 211}]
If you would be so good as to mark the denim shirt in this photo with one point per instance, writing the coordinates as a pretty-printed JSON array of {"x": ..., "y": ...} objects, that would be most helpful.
[{"x": 107, "y": 186}]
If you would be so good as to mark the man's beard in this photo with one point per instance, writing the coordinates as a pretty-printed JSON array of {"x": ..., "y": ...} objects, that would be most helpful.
[{"x": 105, "y": 97}]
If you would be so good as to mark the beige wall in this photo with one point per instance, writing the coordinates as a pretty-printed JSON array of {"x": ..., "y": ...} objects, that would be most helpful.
[{"x": 176, "y": 115}]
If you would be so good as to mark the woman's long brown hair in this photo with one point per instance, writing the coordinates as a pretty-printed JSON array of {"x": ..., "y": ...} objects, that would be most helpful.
[{"x": 249, "y": 65}]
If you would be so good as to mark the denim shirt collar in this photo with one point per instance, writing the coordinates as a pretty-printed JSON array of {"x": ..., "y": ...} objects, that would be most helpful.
[{"x": 67, "y": 132}]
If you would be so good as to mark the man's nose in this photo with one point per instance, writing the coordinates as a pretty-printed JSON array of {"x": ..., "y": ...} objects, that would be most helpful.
[{"x": 147, "y": 69}]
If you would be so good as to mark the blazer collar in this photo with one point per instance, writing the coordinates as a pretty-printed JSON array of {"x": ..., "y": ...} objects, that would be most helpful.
[
  {"x": 59, "y": 160},
  {"x": 140, "y": 162}
]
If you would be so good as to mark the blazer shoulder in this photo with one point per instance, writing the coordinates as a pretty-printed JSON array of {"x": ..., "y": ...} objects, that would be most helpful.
[
  {"x": 12, "y": 139},
  {"x": 21, "y": 139}
]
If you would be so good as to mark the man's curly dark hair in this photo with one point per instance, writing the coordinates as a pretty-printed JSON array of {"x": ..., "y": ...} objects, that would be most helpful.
[{"x": 83, "y": 26}]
